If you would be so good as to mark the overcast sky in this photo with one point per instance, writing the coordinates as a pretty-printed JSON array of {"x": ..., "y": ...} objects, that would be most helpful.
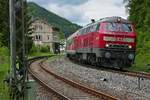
[{"x": 82, "y": 11}]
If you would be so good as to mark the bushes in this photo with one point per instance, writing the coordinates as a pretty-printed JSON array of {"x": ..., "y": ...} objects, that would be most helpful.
[
  {"x": 143, "y": 42},
  {"x": 45, "y": 49},
  {"x": 39, "y": 50},
  {"x": 142, "y": 59}
]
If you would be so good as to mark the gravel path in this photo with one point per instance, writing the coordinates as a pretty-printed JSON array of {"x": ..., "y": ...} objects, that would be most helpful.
[{"x": 121, "y": 86}]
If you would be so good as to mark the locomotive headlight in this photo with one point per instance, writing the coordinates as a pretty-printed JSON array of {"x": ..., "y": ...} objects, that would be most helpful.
[
  {"x": 130, "y": 46},
  {"x": 107, "y": 38},
  {"x": 107, "y": 45},
  {"x": 128, "y": 39}
]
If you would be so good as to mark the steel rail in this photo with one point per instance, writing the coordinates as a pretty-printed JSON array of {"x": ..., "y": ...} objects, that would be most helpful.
[
  {"x": 61, "y": 96},
  {"x": 101, "y": 95},
  {"x": 113, "y": 70},
  {"x": 136, "y": 74}
]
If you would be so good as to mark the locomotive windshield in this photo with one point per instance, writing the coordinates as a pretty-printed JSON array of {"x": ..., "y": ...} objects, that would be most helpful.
[{"x": 118, "y": 27}]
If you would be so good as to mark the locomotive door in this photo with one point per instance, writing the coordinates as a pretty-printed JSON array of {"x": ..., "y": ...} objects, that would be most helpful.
[
  {"x": 75, "y": 43},
  {"x": 91, "y": 40},
  {"x": 95, "y": 38}
]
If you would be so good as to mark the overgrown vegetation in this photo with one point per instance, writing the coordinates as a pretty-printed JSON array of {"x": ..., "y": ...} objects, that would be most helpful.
[
  {"x": 4, "y": 67},
  {"x": 139, "y": 13},
  {"x": 4, "y": 52},
  {"x": 40, "y": 51}
]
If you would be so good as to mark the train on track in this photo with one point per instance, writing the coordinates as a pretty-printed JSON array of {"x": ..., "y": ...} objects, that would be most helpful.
[{"x": 109, "y": 42}]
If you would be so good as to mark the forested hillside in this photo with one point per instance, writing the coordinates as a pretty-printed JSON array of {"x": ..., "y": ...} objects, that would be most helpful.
[
  {"x": 139, "y": 13},
  {"x": 38, "y": 12}
]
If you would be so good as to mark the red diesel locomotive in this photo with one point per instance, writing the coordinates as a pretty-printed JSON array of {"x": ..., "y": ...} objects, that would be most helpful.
[{"x": 109, "y": 42}]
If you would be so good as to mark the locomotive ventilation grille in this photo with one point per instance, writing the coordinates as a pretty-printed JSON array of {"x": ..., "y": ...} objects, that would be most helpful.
[{"x": 124, "y": 46}]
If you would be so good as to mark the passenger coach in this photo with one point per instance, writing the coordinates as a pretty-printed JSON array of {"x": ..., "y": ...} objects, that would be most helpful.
[{"x": 109, "y": 42}]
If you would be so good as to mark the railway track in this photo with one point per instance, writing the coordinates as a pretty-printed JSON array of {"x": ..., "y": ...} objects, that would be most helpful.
[
  {"x": 125, "y": 72},
  {"x": 136, "y": 74},
  {"x": 73, "y": 90},
  {"x": 45, "y": 85}
]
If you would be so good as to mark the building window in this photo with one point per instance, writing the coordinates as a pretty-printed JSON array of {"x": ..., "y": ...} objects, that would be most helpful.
[
  {"x": 40, "y": 27},
  {"x": 48, "y": 37},
  {"x": 38, "y": 37},
  {"x": 36, "y": 27}
]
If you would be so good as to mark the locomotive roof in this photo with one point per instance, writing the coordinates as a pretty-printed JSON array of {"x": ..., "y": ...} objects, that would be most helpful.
[
  {"x": 106, "y": 19},
  {"x": 114, "y": 19}
]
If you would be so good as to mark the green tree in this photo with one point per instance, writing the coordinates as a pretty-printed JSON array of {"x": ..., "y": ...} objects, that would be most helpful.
[
  {"x": 139, "y": 13},
  {"x": 147, "y": 16},
  {"x": 61, "y": 35},
  {"x": 4, "y": 22},
  {"x": 4, "y": 26}
]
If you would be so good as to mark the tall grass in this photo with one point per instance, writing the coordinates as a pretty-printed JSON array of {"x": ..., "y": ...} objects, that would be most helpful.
[{"x": 4, "y": 67}]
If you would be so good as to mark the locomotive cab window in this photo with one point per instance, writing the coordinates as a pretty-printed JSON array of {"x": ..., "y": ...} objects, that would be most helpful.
[{"x": 118, "y": 27}]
